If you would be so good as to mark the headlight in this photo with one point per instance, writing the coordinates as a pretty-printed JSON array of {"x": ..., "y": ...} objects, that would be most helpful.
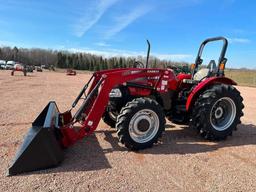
[{"x": 115, "y": 93}]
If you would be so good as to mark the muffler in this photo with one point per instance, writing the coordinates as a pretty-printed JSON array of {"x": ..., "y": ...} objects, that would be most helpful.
[{"x": 41, "y": 147}]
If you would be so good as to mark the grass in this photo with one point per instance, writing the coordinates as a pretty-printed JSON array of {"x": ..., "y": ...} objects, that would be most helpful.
[{"x": 242, "y": 76}]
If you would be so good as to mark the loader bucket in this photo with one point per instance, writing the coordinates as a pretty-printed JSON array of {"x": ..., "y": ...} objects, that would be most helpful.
[{"x": 41, "y": 148}]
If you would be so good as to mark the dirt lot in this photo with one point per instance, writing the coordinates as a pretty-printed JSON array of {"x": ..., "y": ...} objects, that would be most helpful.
[{"x": 182, "y": 162}]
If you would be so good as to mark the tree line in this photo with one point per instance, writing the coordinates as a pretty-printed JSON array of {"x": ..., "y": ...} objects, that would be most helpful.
[{"x": 79, "y": 61}]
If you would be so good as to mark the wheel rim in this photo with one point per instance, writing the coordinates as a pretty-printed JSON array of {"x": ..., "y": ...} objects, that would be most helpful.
[
  {"x": 223, "y": 114},
  {"x": 143, "y": 126}
]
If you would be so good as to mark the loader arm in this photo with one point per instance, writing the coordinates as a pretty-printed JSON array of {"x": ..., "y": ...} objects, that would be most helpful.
[{"x": 93, "y": 107}]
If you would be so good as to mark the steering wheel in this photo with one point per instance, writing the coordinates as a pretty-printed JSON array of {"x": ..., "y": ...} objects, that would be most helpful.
[{"x": 138, "y": 64}]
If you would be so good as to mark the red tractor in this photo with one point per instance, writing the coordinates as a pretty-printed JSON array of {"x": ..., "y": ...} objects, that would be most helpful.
[
  {"x": 21, "y": 68},
  {"x": 136, "y": 102},
  {"x": 71, "y": 72}
]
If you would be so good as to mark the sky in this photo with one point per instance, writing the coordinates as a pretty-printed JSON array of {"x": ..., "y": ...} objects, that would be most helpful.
[{"x": 175, "y": 28}]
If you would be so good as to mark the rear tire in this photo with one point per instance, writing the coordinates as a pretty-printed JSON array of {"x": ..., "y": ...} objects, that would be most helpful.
[
  {"x": 140, "y": 123},
  {"x": 217, "y": 112}
]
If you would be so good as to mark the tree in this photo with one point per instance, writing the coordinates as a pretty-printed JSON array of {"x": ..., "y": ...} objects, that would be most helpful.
[
  {"x": 59, "y": 59},
  {"x": 15, "y": 53},
  {"x": 81, "y": 61}
]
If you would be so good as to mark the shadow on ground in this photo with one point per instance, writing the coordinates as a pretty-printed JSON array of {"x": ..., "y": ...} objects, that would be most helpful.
[
  {"x": 187, "y": 141},
  {"x": 87, "y": 155}
]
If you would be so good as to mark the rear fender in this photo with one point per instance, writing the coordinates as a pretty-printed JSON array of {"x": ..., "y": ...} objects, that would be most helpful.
[{"x": 203, "y": 85}]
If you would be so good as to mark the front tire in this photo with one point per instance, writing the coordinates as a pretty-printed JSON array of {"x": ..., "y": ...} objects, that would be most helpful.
[
  {"x": 140, "y": 123},
  {"x": 109, "y": 118},
  {"x": 217, "y": 112}
]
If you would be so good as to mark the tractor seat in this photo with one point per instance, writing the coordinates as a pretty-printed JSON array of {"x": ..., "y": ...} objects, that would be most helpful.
[
  {"x": 203, "y": 73},
  {"x": 206, "y": 72}
]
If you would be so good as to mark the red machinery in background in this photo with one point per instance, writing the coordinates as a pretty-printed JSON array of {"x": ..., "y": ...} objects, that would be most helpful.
[
  {"x": 19, "y": 67},
  {"x": 71, "y": 72}
]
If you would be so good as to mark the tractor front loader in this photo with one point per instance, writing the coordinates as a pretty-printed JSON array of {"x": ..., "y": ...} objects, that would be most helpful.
[{"x": 136, "y": 102}]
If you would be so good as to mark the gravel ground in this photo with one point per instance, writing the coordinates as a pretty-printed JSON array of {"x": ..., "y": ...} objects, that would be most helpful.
[{"x": 181, "y": 162}]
